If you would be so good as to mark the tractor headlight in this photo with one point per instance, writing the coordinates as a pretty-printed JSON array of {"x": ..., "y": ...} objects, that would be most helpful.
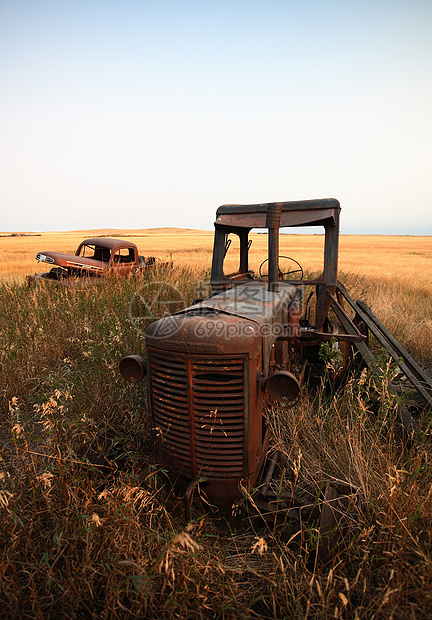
[{"x": 133, "y": 368}]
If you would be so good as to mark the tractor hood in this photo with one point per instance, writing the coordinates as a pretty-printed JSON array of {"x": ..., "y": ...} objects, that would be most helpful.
[
  {"x": 252, "y": 300},
  {"x": 229, "y": 321},
  {"x": 72, "y": 261}
]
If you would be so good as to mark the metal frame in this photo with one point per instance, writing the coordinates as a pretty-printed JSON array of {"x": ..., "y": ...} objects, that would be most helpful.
[{"x": 241, "y": 219}]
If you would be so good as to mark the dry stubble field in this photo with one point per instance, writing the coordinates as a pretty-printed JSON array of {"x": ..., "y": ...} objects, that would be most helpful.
[{"x": 79, "y": 542}]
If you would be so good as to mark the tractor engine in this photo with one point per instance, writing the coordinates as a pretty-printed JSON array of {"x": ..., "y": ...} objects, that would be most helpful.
[
  {"x": 208, "y": 373},
  {"x": 216, "y": 368},
  {"x": 206, "y": 385}
]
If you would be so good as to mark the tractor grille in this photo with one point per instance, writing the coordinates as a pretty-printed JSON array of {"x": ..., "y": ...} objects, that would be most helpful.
[{"x": 201, "y": 430}]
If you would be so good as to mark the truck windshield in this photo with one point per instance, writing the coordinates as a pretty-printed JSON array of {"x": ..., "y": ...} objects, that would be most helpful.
[{"x": 96, "y": 252}]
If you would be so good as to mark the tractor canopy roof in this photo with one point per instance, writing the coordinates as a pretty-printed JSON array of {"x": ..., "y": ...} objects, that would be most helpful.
[{"x": 295, "y": 213}]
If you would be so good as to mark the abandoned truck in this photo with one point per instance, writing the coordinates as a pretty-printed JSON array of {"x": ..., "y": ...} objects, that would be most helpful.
[
  {"x": 94, "y": 258},
  {"x": 216, "y": 368}
]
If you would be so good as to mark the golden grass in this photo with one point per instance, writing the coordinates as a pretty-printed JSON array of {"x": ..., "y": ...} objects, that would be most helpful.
[
  {"x": 83, "y": 542},
  {"x": 407, "y": 260},
  {"x": 393, "y": 274}
]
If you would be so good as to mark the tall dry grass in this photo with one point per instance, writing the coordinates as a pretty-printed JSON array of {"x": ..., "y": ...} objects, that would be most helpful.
[
  {"x": 404, "y": 306},
  {"x": 110, "y": 541},
  {"x": 81, "y": 541},
  {"x": 392, "y": 274}
]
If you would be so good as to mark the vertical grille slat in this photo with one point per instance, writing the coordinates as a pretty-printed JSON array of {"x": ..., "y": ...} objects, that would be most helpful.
[
  {"x": 170, "y": 412},
  {"x": 210, "y": 413}
]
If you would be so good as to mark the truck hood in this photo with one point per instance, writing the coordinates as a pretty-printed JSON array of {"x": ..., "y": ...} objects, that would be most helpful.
[{"x": 70, "y": 260}]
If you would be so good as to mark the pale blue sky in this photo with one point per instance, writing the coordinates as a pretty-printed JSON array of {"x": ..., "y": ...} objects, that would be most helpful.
[{"x": 136, "y": 114}]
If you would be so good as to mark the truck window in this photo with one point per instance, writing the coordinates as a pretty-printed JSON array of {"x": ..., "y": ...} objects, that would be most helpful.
[
  {"x": 96, "y": 252},
  {"x": 124, "y": 256},
  {"x": 86, "y": 251}
]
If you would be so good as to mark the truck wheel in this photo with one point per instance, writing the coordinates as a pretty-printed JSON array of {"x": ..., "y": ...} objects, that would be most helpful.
[{"x": 57, "y": 273}]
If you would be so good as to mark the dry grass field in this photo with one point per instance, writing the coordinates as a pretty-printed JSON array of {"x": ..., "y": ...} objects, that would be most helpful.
[
  {"x": 79, "y": 541},
  {"x": 403, "y": 260},
  {"x": 392, "y": 274}
]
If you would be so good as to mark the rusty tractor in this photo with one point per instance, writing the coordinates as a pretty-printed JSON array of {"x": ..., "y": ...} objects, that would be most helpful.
[{"x": 215, "y": 367}]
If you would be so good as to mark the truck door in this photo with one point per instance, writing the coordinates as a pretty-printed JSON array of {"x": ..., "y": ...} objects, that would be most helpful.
[{"x": 123, "y": 262}]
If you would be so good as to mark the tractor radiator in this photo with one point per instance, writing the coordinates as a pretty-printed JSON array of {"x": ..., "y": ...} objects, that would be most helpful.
[{"x": 199, "y": 413}]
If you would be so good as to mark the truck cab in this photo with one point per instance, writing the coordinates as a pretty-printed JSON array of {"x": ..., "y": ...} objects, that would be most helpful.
[{"x": 95, "y": 257}]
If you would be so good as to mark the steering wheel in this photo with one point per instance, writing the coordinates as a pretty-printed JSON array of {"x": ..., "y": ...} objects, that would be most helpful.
[{"x": 281, "y": 273}]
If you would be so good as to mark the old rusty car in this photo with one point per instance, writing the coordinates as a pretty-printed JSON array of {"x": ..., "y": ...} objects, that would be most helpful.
[{"x": 94, "y": 258}]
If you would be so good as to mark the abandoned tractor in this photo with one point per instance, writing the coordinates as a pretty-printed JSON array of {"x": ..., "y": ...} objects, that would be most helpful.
[
  {"x": 94, "y": 258},
  {"x": 215, "y": 368}
]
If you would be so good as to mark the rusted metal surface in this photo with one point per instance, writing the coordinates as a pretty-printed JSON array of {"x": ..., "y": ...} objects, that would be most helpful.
[
  {"x": 333, "y": 515},
  {"x": 293, "y": 213},
  {"x": 273, "y": 217},
  {"x": 216, "y": 367},
  {"x": 240, "y": 219},
  {"x": 205, "y": 397},
  {"x": 95, "y": 257},
  {"x": 418, "y": 378},
  {"x": 414, "y": 374},
  {"x": 283, "y": 387},
  {"x": 71, "y": 261},
  {"x": 273, "y": 315},
  {"x": 339, "y": 520},
  {"x": 133, "y": 368},
  {"x": 202, "y": 422}
]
